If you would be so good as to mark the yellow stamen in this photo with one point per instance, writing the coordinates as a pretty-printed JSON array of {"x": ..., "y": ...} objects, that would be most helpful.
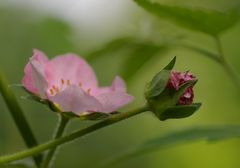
[
  {"x": 55, "y": 88},
  {"x": 52, "y": 92},
  {"x": 68, "y": 82},
  {"x": 88, "y": 91},
  {"x": 80, "y": 84},
  {"x": 62, "y": 81}
]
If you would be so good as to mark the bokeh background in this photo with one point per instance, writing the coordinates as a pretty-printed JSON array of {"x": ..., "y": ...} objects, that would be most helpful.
[{"x": 114, "y": 35}]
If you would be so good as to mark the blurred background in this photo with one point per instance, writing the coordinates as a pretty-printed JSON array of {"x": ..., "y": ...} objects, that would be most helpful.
[{"x": 119, "y": 38}]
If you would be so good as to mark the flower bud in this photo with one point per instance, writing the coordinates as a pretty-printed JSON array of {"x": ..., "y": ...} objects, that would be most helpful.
[
  {"x": 179, "y": 78},
  {"x": 170, "y": 93}
]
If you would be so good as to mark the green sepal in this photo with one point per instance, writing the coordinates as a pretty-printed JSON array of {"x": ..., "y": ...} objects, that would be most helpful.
[
  {"x": 179, "y": 111},
  {"x": 88, "y": 115},
  {"x": 171, "y": 64},
  {"x": 183, "y": 89},
  {"x": 35, "y": 98},
  {"x": 168, "y": 98},
  {"x": 159, "y": 81},
  {"x": 46, "y": 102}
]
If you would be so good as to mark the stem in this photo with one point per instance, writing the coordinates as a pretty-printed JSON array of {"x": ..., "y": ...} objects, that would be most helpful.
[
  {"x": 60, "y": 130},
  {"x": 229, "y": 69},
  {"x": 111, "y": 120},
  {"x": 19, "y": 117},
  {"x": 202, "y": 51}
]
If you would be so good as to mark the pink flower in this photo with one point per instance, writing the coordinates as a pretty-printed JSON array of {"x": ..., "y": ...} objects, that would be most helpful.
[
  {"x": 70, "y": 83},
  {"x": 179, "y": 78}
]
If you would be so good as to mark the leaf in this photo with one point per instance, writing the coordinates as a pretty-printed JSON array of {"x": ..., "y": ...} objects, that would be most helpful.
[
  {"x": 208, "y": 21},
  {"x": 20, "y": 165},
  {"x": 140, "y": 53},
  {"x": 202, "y": 51},
  {"x": 208, "y": 133},
  {"x": 49, "y": 34},
  {"x": 159, "y": 81},
  {"x": 18, "y": 116},
  {"x": 180, "y": 111},
  {"x": 143, "y": 53},
  {"x": 109, "y": 47}
]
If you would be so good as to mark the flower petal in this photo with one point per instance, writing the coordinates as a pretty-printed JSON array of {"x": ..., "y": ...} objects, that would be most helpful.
[
  {"x": 112, "y": 101},
  {"x": 74, "y": 99},
  {"x": 28, "y": 81},
  {"x": 38, "y": 78},
  {"x": 71, "y": 68},
  {"x": 118, "y": 85}
]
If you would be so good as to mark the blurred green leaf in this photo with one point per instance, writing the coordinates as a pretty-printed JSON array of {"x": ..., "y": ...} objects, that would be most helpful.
[
  {"x": 18, "y": 116},
  {"x": 202, "y": 51},
  {"x": 210, "y": 133},
  {"x": 180, "y": 111},
  {"x": 20, "y": 165},
  {"x": 52, "y": 32},
  {"x": 208, "y": 21},
  {"x": 23, "y": 31},
  {"x": 140, "y": 55},
  {"x": 109, "y": 47}
]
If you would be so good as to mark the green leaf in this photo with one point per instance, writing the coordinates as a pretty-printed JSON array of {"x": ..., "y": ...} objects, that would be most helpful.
[
  {"x": 209, "y": 133},
  {"x": 143, "y": 53},
  {"x": 208, "y": 21},
  {"x": 18, "y": 116},
  {"x": 140, "y": 53},
  {"x": 20, "y": 165},
  {"x": 159, "y": 81},
  {"x": 179, "y": 111},
  {"x": 109, "y": 47},
  {"x": 204, "y": 52}
]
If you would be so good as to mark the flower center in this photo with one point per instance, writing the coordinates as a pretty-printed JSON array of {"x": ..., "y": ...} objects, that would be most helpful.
[{"x": 63, "y": 85}]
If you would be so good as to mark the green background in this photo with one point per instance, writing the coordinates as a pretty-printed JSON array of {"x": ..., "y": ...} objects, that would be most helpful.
[{"x": 22, "y": 29}]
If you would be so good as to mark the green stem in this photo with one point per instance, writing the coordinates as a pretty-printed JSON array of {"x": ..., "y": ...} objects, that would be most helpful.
[
  {"x": 18, "y": 117},
  {"x": 60, "y": 130},
  {"x": 202, "y": 51},
  {"x": 228, "y": 68},
  {"x": 54, "y": 143}
]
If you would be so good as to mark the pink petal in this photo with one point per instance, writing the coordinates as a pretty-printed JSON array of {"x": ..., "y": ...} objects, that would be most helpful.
[
  {"x": 74, "y": 99},
  {"x": 118, "y": 85},
  {"x": 70, "y": 68},
  {"x": 28, "y": 81},
  {"x": 38, "y": 78},
  {"x": 112, "y": 101}
]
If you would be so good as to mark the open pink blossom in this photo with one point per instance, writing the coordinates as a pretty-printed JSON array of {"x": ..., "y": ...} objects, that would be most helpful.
[
  {"x": 179, "y": 78},
  {"x": 70, "y": 83}
]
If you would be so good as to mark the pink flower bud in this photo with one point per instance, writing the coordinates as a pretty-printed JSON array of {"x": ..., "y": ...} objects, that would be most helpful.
[{"x": 179, "y": 78}]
